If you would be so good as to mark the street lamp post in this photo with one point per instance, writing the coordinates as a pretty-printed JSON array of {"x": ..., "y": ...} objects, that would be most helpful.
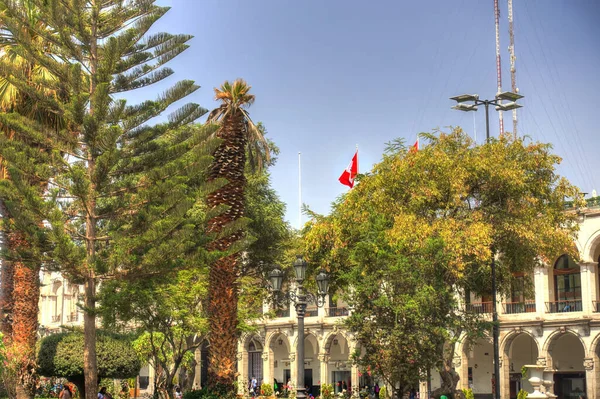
[
  {"x": 467, "y": 103},
  {"x": 301, "y": 299}
]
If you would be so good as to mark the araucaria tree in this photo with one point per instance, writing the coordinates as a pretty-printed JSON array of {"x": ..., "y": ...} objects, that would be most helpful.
[
  {"x": 419, "y": 231},
  {"x": 118, "y": 190},
  {"x": 240, "y": 136}
]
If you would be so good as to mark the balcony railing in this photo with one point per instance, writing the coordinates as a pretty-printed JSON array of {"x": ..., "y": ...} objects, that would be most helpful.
[
  {"x": 311, "y": 312},
  {"x": 564, "y": 306},
  {"x": 336, "y": 312},
  {"x": 519, "y": 307},
  {"x": 55, "y": 319},
  {"x": 72, "y": 317},
  {"x": 282, "y": 312},
  {"x": 480, "y": 307}
]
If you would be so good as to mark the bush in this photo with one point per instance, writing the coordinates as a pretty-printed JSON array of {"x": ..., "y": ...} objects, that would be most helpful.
[
  {"x": 266, "y": 389},
  {"x": 522, "y": 394},
  {"x": 61, "y": 355},
  {"x": 468, "y": 393},
  {"x": 206, "y": 394},
  {"x": 327, "y": 391}
]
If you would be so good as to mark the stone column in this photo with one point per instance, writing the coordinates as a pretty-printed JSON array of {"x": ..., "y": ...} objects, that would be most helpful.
[
  {"x": 355, "y": 378},
  {"x": 197, "y": 372},
  {"x": 293, "y": 369},
  {"x": 242, "y": 375},
  {"x": 586, "y": 288},
  {"x": 266, "y": 366},
  {"x": 324, "y": 367},
  {"x": 590, "y": 377},
  {"x": 540, "y": 282},
  {"x": 504, "y": 379}
]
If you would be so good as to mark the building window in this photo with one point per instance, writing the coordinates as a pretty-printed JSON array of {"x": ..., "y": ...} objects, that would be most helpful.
[
  {"x": 255, "y": 361},
  {"x": 567, "y": 279}
]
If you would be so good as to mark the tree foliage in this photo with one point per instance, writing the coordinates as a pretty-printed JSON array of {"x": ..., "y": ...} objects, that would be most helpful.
[{"x": 420, "y": 230}]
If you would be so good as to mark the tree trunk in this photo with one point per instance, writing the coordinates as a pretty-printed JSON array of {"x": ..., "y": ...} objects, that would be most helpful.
[
  {"x": 449, "y": 377},
  {"x": 6, "y": 284},
  {"x": 25, "y": 324},
  {"x": 90, "y": 365},
  {"x": 229, "y": 163}
]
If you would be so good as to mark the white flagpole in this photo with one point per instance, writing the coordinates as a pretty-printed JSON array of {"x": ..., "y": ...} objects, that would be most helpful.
[{"x": 299, "y": 192}]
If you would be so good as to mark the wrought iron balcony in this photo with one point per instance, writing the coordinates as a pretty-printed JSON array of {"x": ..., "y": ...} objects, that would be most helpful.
[
  {"x": 519, "y": 307},
  {"x": 311, "y": 312},
  {"x": 480, "y": 307},
  {"x": 564, "y": 306},
  {"x": 72, "y": 317},
  {"x": 56, "y": 319},
  {"x": 336, "y": 312}
]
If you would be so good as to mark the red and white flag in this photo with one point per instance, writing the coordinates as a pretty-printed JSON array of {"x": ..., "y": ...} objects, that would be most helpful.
[
  {"x": 347, "y": 177},
  {"x": 415, "y": 146}
]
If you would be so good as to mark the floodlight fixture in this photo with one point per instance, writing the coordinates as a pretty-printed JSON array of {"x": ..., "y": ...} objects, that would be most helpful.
[
  {"x": 508, "y": 106},
  {"x": 508, "y": 96},
  {"x": 465, "y": 107},
  {"x": 465, "y": 97}
]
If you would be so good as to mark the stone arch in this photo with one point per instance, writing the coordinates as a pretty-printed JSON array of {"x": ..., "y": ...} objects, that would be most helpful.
[
  {"x": 278, "y": 348},
  {"x": 518, "y": 348},
  {"x": 249, "y": 338},
  {"x": 313, "y": 339},
  {"x": 591, "y": 248},
  {"x": 274, "y": 336},
  {"x": 328, "y": 340},
  {"x": 508, "y": 339},
  {"x": 568, "y": 359},
  {"x": 547, "y": 347}
]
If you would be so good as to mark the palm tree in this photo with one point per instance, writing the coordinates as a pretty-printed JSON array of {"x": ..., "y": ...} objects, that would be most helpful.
[
  {"x": 19, "y": 296},
  {"x": 240, "y": 137}
]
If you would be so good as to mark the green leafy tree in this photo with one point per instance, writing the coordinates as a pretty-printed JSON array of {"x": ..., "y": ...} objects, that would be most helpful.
[
  {"x": 61, "y": 355},
  {"x": 169, "y": 314},
  {"x": 420, "y": 230},
  {"x": 119, "y": 190}
]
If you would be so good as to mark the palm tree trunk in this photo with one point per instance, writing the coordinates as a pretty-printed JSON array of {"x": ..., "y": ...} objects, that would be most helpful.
[
  {"x": 229, "y": 163},
  {"x": 25, "y": 320}
]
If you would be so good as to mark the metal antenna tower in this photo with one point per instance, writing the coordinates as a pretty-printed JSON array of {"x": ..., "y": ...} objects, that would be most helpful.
[
  {"x": 498, "y": 62},
  {"x": 513, "y": 70}
]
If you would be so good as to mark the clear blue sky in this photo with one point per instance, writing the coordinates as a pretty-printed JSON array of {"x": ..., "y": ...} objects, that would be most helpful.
[{"x": 329, "y": 75}]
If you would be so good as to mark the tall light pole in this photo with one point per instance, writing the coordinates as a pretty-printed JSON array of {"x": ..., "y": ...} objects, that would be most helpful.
[
  {"x": 469, "y": 102},
  {"x": 301, "y": 299}
]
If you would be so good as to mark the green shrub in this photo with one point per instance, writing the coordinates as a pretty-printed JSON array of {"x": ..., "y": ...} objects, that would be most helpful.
[
  {"x": 327, "y": 391},
  {"x": 468, "y": 393},
  {"x": 61, "y": 355},
  {"x": 266, "y": 389},
  {"x": 522, "y": 394}
]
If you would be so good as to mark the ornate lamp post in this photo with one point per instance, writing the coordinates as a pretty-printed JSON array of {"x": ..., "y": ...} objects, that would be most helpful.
[{"x": 300, "y": 298}]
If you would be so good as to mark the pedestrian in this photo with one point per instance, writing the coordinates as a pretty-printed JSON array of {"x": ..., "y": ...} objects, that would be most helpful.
[
  {"x": 413, "y": 394},
  {"x": 253, "y": 386},
  {"x": 102, "y": 394},
  {"x": 376, "y": 390},
  {"x": 65, "y": 393},
  {"x": 178, "y": 393}
]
